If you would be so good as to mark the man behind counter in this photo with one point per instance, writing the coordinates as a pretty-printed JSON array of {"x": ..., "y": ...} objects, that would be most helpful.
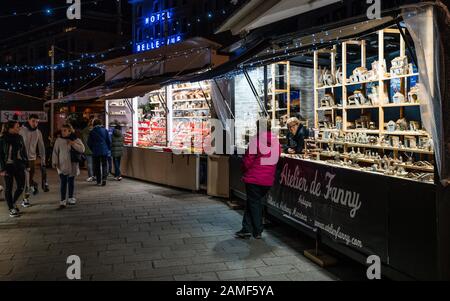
[{"x": 295, "y": 137}]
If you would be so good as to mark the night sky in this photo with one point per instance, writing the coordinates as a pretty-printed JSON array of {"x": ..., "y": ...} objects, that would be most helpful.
[{"x": 12, "y": 25}]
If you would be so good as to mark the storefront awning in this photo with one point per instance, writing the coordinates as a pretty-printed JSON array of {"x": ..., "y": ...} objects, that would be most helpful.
[
  {"x": 88, "y": 94},
  {"x": 259, "y": 13}
]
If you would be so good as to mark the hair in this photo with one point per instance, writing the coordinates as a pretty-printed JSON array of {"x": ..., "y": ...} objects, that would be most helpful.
[
  {"x": 264, "y": 122},
  {"x": 33, "y": 116},
  {"x": 7, "y": 126},
  {"x": 69, "y": 127},
  {"x": 97, "y": 122},
  {"x": 293, "y": 121}
]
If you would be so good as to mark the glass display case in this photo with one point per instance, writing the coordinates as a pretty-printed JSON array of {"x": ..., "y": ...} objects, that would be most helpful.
[
  {"x": 191, "y": 114},
  {"x": 120, "y": 112},
  {"x": 152, "y": 119}
]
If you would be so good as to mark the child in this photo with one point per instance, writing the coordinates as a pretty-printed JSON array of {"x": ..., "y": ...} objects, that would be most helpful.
[{"x": 62, "y": 161}]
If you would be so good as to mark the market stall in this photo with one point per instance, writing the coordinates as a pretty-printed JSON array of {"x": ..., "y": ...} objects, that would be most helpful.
[{"x": 367, "y": 181}]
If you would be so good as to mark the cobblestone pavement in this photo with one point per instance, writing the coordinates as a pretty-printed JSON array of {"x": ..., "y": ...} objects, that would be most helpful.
[{"x": 138, "y": 231}]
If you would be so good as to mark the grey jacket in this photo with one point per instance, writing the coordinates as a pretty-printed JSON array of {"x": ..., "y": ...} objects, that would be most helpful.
[{"x": 33, "y": 140}]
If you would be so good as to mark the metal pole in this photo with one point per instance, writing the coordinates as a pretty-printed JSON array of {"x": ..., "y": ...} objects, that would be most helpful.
[{"x": 52, "y": 87}]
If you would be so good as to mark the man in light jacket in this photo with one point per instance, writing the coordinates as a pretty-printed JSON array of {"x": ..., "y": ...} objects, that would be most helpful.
[{"x": 33, "y": 141}]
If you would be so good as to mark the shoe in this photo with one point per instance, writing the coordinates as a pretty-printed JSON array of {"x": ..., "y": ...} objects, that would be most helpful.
[
  {"x": 35, "y": 189},
  {"x": 62, "y": 204},
  {"x": 72, "y": 201},
  {"x": 91, "y": 179},
  {"x": 259, "y": 236},
  {"x": 118, "y": 179},
  {"x": 104, "y": 183},
  {"x": 14, "y": 213},
  {"x": 26, "y": 203},
  {"x": 243, "y": 234},
  {"x": 46, "y": 188},
  {"x": 98, "y": 184}
]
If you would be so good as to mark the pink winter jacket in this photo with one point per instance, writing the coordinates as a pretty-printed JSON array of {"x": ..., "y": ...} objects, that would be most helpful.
[{"x": 260, "y": 163}]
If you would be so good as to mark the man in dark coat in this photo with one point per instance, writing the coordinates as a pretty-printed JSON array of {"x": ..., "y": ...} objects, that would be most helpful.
[
  {"x": 100, "y": 144},
  {"x": 295, "y": 137}
]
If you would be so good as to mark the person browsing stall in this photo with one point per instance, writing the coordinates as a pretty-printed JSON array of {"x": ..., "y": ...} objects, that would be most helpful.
[{"x": 295, "y": 137}]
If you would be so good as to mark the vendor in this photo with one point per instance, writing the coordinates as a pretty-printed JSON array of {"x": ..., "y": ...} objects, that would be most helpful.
[{"x": 295, "y": 137}]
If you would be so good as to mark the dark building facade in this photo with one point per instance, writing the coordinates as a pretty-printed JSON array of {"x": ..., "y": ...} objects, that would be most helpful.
[
  {"x": 79, "y": 44},
  {"x": 157, "y": 23}
]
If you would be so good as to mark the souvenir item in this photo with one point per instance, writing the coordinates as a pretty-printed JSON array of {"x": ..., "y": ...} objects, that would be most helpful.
[
  {"x": 410, "y": 142},
  {"x": 402, "y": 124},
  {"x": 400, "y": 66},
  {"x": 413, "y": 95},
  {"x": 379, "y": 69},
  {"x": 398, "y": 98},
  {"x": 357, "y": 99},
  {"x": 339, "y": 123},
  {"x": 327, "y": 100},
  {"x": 391, "y": 126},
  {"x": 325, "y": 78},
  {"x": 414, "y": 125},
  {"x": 339, "y": 76},
  {"x": 360, "y": 74},
  {"x": 373, "y": 96}
]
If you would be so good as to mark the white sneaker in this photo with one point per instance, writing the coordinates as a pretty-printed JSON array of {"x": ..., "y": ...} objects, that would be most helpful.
[
  {"x": 26, "y": 203},
  {"x": 62, "y": 204},
  {"x": 72, "y": 201},
  {"x": 14, "y": 213},
  {"x": 91, "y": 179}
]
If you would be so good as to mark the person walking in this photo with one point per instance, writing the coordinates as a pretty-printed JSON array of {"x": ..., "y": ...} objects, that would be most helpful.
[
  {"x": 13, "y": 164},
  {"x": 117, "y": 151},
  {"x": 259, "y": 166},
  {"x": 100, "y": 145},
  {"x": 33, "y": 141},
  {"x": 88, "y": 153},
  {"x": 65, "y": 151}
]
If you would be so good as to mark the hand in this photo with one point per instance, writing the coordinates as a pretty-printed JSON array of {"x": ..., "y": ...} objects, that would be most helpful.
[
  {"x": 291, "y": 151},
  {"x": 71, "y": 143},
  {"x": 28, "y": 169},
  {"x": 3, "y": 173}
]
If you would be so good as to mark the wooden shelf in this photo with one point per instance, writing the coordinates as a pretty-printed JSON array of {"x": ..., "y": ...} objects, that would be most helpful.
[
  {"x": 329, "y": 87},
  {"x": 404, "y": 133},
  {"x": 329, "y": 108},
  {"x": 363, "y": 131},
  {"x": 361, "y": 107},
  {"x": 362, "y": 83},
  {"x": 394, "y": 105},
  {"x": 189, "y": 100},
  {"x": 400, "y": 76}
]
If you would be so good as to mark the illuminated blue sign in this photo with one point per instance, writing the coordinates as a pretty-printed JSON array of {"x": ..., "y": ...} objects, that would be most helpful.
[
  {"x": 158, "y": 43},
  {"x": 158, "y": 17}
]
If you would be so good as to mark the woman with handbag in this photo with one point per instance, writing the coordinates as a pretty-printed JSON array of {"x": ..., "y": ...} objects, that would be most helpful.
[{"x": 67, "y": 155}]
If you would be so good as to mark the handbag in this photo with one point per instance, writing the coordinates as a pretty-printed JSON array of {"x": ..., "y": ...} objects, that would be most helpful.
[{"x": 76, "y": 157}]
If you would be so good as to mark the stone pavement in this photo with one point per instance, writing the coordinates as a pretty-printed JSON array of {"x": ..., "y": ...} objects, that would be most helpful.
[{"x": 132, "y": 230}]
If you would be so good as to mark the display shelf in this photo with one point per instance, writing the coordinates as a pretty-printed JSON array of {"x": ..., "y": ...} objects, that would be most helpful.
[
  {"x": 363, "y": 131},
  {"x": 205, "y": 87},
  {"x": 405, "y": 133},
  {"x": 192, "y": 117},
  {"x": 406, "y": 104},
  {"x": 400, "y": 76},
  {"x": 189, "y": 100},
  {"x": 361, "y": 107},
  {"x": 329, "y": 87},
  {"x": 193, "y": 109},
  {"x": 361, "y": 83},
  {"x": 414, "y": 167},
  {"x": 329, "y": 108}
]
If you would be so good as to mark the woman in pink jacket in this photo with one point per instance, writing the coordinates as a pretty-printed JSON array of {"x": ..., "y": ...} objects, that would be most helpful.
[{"x": 259, "y": 166}]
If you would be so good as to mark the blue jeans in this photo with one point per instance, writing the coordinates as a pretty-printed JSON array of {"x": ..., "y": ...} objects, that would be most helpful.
[
  {"x": 67, "y": 181},
  {"x": 117, "y": 172},
  {"x": 90, "y": 166},
  {"x": 110, "y": 164}
]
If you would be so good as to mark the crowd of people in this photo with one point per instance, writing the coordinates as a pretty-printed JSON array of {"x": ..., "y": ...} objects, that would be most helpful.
[
  {"x": 20, "y": 146},
  {"x": 101, "y": 150}
]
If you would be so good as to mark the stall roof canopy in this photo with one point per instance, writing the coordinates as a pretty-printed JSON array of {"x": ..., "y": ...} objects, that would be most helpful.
[{"x": 259, "y": 13}]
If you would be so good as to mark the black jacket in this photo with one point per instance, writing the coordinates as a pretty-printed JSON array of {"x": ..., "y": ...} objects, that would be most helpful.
[
  {"x": 18, "y": 152},
  {"x": 297, "y": 141}
]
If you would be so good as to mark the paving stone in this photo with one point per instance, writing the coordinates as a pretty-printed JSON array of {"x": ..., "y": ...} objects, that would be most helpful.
[
  {"x": 235, "y": 274},
  {"x": 276, "y": 270},
  {"x": 197, "y": 277}
]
